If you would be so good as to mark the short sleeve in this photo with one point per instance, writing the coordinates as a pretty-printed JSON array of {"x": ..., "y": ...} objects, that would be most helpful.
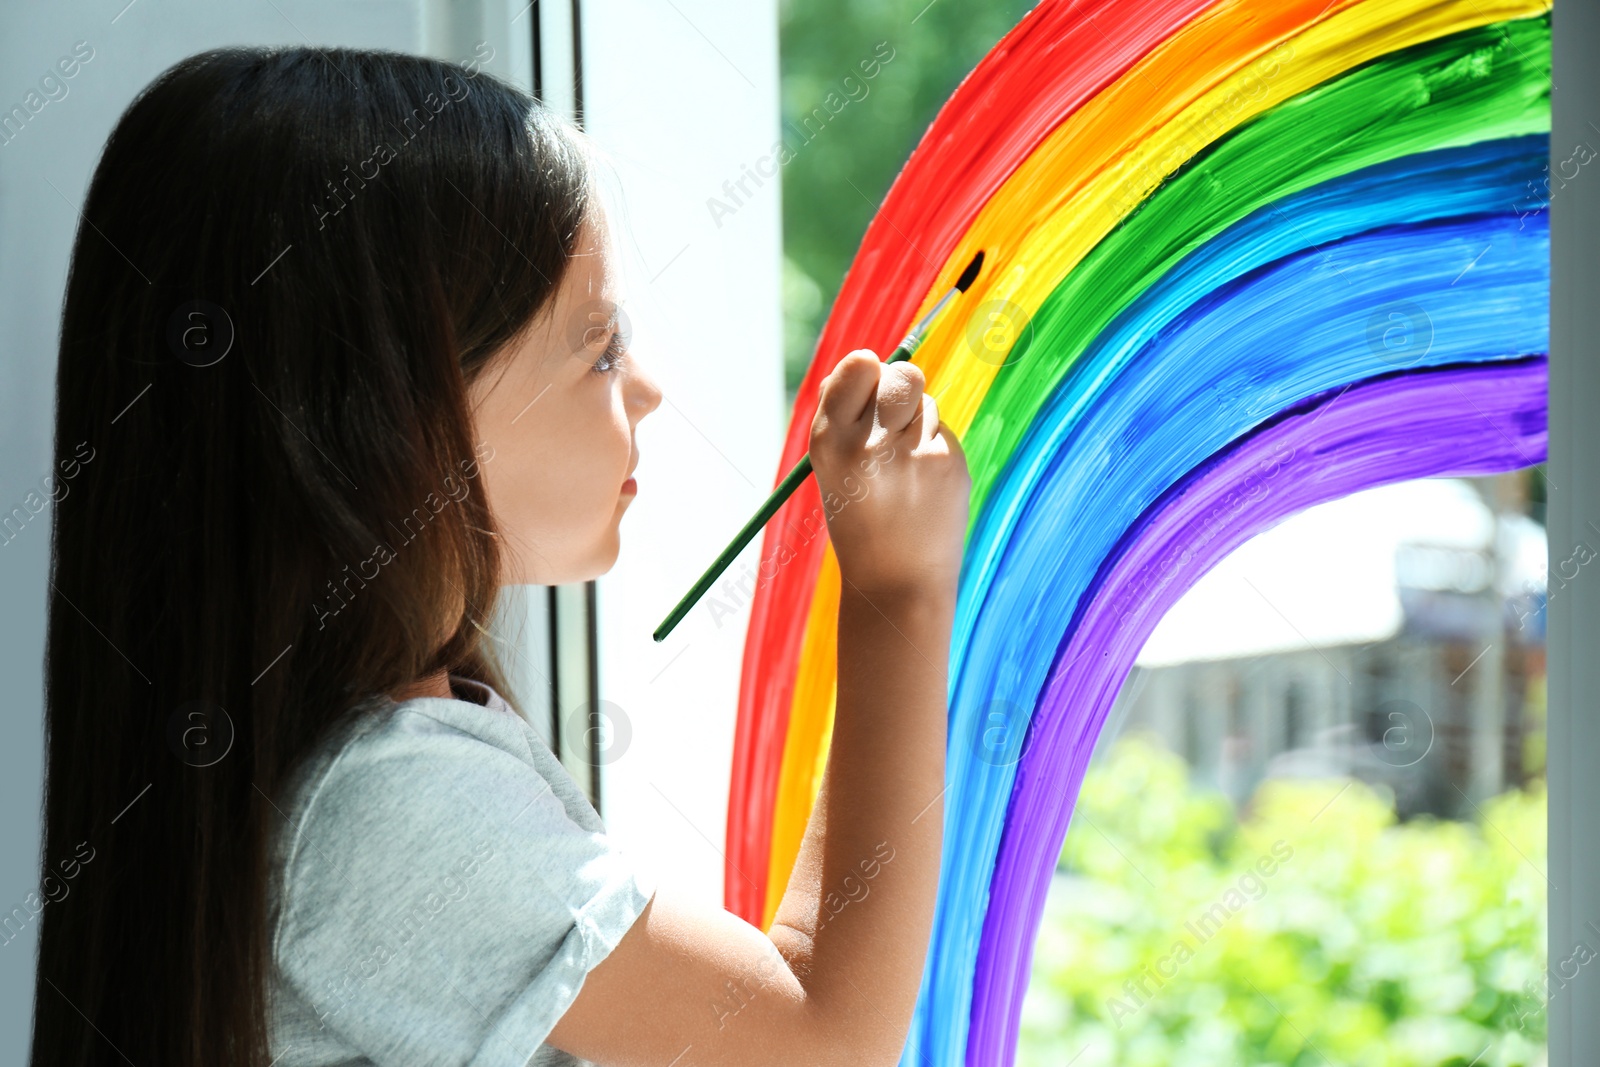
[{"x": 441, "y": 905}]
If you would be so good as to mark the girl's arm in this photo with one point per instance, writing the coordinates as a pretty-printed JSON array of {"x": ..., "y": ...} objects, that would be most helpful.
[{"x": 836, "y": 981}]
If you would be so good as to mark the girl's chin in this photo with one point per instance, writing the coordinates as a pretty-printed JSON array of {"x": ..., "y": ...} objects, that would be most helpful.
[
  {"x": 532, "y": 569},
  {"x": 605, "y": 556}
]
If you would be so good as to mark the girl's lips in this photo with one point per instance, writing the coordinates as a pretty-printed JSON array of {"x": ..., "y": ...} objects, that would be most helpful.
[{"x": 630, "y": 486}]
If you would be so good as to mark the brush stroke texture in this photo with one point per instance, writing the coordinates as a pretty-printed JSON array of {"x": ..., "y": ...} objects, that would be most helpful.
[
  {"x": 1266, "y": 341},
  {"x": 1060, "y": 55},
  {"x": 1469, "y": 86},
  {"x": 1455, "y": 421},
  {"x": 1243, "y": 285}
]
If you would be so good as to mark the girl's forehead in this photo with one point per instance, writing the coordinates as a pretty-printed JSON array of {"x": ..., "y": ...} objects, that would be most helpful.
[
  {"x": 587, "y": 304},
  {"x": 592, "y": 272},
  {"x": 590, "y": 279}
]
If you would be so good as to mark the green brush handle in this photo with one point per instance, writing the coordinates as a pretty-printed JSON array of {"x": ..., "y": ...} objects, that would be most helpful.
[{"x": 785, "y": 489}]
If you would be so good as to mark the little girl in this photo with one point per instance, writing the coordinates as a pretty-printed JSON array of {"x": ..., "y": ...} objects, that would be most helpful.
[{"x": 340, "y": 338}]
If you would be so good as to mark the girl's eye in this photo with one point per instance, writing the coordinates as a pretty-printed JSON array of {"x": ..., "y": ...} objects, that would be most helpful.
[{"x": 613, "y": 355}]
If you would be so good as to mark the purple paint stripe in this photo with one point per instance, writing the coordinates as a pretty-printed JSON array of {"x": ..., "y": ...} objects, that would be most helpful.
[{"x": 1450, "y": 421}]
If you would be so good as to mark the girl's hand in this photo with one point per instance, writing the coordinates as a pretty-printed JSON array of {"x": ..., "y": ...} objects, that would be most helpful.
[
  {"x": 690, "y": 976},
  {"x": 893, "y": 477}
]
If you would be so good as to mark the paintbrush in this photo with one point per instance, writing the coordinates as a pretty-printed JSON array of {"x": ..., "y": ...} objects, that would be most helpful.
[{"x": 802, "y": 470}]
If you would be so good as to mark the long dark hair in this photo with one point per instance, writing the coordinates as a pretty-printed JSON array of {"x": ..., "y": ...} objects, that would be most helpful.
[{"x": 291, "y": 265}]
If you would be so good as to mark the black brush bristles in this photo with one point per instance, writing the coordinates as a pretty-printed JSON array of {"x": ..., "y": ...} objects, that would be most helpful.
[{"x": 970, "y": 275}]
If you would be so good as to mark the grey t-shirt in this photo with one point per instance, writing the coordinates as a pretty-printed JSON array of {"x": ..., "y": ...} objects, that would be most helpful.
[{"x": 441, "y": 889}]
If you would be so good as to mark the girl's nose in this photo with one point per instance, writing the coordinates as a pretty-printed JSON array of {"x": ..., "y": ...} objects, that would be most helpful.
[{"x": 646, "y": 394}]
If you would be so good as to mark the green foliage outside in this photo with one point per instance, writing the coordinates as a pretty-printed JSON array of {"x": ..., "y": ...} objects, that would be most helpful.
[
  {"x": 1370, "y": 942},
  {"x": 848, "y": 134}
]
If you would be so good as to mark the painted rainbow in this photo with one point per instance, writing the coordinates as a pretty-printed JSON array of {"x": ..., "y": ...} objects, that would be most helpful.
[{"x": 1241, "y": 258}]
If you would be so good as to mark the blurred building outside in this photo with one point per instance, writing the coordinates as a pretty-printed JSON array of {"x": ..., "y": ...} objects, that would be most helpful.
[{"x": 1395, "y": 636}]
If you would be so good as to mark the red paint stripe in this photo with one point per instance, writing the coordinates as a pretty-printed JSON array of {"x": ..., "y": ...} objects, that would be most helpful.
[{"x": 1058, "y": 57}]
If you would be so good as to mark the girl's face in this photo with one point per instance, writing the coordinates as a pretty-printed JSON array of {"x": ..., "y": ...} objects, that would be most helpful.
[{"x": 560, "y": 413}]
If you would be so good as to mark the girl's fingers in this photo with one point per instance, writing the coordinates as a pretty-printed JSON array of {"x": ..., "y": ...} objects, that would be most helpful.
[
  {"x": 900, "y": 396},
  {"x": 847, "y": 392},
  {"x": 923, "y": 424},
  {"x": 927, "y": 421}
]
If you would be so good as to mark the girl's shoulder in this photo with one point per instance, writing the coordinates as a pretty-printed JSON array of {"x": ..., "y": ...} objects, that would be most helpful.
[
  {"x": 440, "y": 837},
  {"x": 407, "y": 753},
  {"x": 412, "y": 786}
]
